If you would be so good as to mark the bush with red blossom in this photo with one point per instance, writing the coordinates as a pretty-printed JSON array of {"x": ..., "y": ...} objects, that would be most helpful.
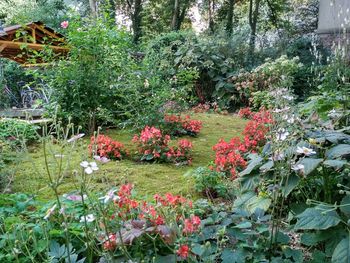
[
  {"x": 245, "y": 113},
  {"x": 104, "y": 146},
  {"x": 229, "y": 156},
  {"x": 153, "y": 146},
  {"x": 182, "y": 153},
  {"x": 179, "y": 125}
]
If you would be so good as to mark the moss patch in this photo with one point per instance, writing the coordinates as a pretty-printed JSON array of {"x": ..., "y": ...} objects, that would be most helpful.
[{"x": 31, "y": 176}]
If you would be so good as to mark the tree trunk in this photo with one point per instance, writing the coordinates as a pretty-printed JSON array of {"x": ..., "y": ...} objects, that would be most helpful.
[
  {"x": 136, "y": 21},
  {"x": 229, "y": 24},
  {"x": 175, "y": 20},
  {"x": 253, "y": 20},
  {"x": 93, "y": 7},
  {"x": 210, "y": 14}
]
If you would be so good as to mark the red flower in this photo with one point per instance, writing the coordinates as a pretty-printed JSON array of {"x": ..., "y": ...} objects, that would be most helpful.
[
  {"x": 183, "y": 251},
  {"x": 111, "y": 243},
  {"x": 196, "y": 220},
  {"x": 104, "y": 146},
  {"x": 245, "y": 113}
]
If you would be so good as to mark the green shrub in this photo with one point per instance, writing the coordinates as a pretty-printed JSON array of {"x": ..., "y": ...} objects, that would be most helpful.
[
  {"x": 17, "y": 132},
  {"x": 209, "y": 182}
]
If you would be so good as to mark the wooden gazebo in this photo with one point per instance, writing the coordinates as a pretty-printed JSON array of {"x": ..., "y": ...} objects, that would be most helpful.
[{"x": 21, "y": 42}]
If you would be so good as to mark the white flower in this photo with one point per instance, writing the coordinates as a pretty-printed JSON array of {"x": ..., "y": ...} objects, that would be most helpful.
[
  {"x": 298, "y": 167},
  {"x": 101, "y": 159},
  {"x": 50, "y": 212},
  {"x": 289, "y": 119},
  {"x": 306, "y": 151},
  {"x": 278, "y": 156},
  {"x": 287, "y": 97},
  {"x": 89, "y": 167},
  {"x": 62, "y": 210},
  {"x": 89, "y": 218},
  {"x": 76, "y": 137},
  {"x": 281, "y": 110},
  {"x": 282, "y": 135},
  {"x": 110, "y": 196}
]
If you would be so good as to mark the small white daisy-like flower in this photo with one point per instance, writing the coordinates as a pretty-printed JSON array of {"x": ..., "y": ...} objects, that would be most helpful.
[
  {"x": 89, "y": 167},
  {"x": 282, "y": 135},
  {"x": 89, "y": 218},
  {"x": 50, "y": 211},
  {"x": 306, "y": 151}
]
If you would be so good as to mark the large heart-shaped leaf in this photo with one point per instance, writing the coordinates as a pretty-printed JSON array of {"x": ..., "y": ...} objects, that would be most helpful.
[
  {"x": 317, "y": 218},
  {"x": 341, "y": 252},
  {"x": 254, "y": 163},
  {"x": 250, "y": 202},
  {"x": 266, "y": 167},
  {"x": 289, "y": 184},
  {"x": 231, "y": 256},
  {"x": 310, "y": 165},
  {"x": 258, "y": 202},
  {"x": 341, "y": 150},
  {"x": 345, "y": 205},
  {"x": 335, "y": 164}
]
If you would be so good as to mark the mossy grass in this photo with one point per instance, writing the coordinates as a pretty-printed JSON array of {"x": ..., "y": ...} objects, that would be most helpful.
[{"x": 148, "y": 178}]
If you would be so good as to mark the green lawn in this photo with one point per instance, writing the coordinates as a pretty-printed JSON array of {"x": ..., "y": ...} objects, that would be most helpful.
[{"x": 149, "y": 179}]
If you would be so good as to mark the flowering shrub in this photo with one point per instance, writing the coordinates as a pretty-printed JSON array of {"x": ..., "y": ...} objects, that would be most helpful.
[
  {"x": 245, "y": 113},
  {"x": 179, "y": 125},
  {"x": 229, "y": 155},
  {"x": 104, "y": 146},
  {"x": 182, "y": 153},
  {"x": 153, "y": 146}
]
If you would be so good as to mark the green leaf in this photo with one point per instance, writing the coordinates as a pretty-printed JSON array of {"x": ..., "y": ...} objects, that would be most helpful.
[
  {"x": 311, "y": 239},
  {"x": 315, "y": 218},
  {"x": 345, "y": 208},
  {"x": 242, "y": 225},
  {"x": 310, "y": 165},
  {"x": 288, "y": 186},
  {"x": 282, "y": 238},
  {"x": 258, "y": 202},
  {"x": 243, "y": 199},
  {"x": 168, "y": 258},
  {"x": 250, "y": 202},
  {"x": 338, "y": 151},
  {"x": 230, "y": 256},
  {"x": 266, "y": 167},
  {"x": 341, "y": 252},
  {"x": 336, "y": 164},
  {"x": 255, "y": 161},
  {"x": 296, "y": 255}
]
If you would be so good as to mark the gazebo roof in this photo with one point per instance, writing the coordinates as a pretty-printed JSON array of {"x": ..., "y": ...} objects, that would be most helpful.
[{"x": 15, "y": 40}]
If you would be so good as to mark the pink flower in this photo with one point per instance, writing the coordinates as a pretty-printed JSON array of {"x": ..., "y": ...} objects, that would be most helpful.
[{"x": 65, "y": 24}]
